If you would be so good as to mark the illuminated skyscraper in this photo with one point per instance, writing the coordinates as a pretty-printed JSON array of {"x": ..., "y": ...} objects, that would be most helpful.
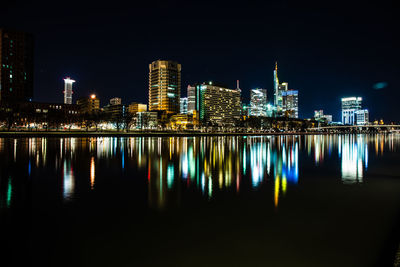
[
  {"x": 290, "y": 103},
  {"x": 193, "y": 96},
  {"x": 16, "y": 66},
  {"x": 279, "y": 89},
  {"x": 184, "y": 105},
  {"x": 349, "y": 107},
  {"x": 276, "y": 85},
  {"x": 258, "y": 102},
  {"x": 68, "y": 90},
  {"x": 164, "y": 86},
  {"x": 218, "y": 105}
]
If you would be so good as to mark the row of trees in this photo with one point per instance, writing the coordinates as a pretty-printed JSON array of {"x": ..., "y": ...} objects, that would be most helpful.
[{"x": 14, "y": 117}]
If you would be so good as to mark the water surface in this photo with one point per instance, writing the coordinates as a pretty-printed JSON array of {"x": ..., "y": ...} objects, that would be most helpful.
[{"x": 316, "y": 200}]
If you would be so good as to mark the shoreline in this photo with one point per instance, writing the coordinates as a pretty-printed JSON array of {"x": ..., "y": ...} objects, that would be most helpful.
[
  {"x": 144, "y": 134},
  {"x": 136, "y": 134}
]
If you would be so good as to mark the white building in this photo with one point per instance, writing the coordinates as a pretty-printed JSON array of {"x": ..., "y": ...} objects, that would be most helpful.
[
  {"x": 290, "y": 100},
  {"x": 362, "y": 117},
  {"x": 68, "y": 90},
  {"x": 184, "y": 105},
  {"x": 258, "y": 102},
  {"x": 349, "y": 107}
]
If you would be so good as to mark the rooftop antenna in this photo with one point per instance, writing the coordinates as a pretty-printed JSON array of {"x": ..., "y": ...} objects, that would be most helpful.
[{"x": 237, "y": 85}]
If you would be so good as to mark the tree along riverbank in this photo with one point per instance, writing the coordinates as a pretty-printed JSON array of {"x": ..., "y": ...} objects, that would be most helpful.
[{"x": 137, "y": 133}]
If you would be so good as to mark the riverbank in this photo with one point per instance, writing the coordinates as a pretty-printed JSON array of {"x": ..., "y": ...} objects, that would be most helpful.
[{"x": 137, "y": 134}]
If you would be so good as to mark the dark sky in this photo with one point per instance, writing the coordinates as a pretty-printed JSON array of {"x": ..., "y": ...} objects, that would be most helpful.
[{"x": 326, "y": 49}]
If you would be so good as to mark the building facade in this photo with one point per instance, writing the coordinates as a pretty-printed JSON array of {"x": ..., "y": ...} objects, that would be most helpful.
[
  {"x": 146, "y": 120},
  {"x": 184, "y": 105},
  {"x": 258, "y": 102},
  {"x": 320, "y": 116},
  {"x": 16, "y": 66},
  {"x": 88, "y": 105},
  {"x": 218, "y": 105},
  {"x": 68, "y": 90},
  {"x": 193, "y": 98},
  {"x": 349, "y": 107},
  {"x": 134, "y": 108},
  {"x": 165, "y": 86},
  {"x": 277, "y": 97},
  {"x": 362, "y": 117},
  {"x": 290, "y": 103}
]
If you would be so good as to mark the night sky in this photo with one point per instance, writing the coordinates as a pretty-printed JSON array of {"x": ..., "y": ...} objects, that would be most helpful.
[{"x": 326, "y": 52}]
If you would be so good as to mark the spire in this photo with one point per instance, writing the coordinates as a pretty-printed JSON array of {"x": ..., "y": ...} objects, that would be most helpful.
[
  {"x": 237, "y": 86},
  {"x": 276, "y": 65}
]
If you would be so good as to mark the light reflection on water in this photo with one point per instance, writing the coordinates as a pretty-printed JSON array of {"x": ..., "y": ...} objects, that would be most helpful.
[{"x": 205, "y": 164}]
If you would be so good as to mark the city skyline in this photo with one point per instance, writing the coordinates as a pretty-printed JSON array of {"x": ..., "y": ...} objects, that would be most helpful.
[{"x": 338, "y": 51}]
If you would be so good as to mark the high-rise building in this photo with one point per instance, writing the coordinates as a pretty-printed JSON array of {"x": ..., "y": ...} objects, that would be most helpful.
[
  {"x": 279, "y": 92},
  {"x": 165, "y": 86},
  {"x": 184, "y": 105},
  {"x": 362, "y": 117},
  {"x": 16, "y": 66},
  {"x": 349, "y": 107},
  {"x": 193, "y": 96},
  {"x": 258, "y": 102},
  {"x": 88, "y": 105},
  {"x": 290, "y": 103},
  {"x": 115, "y": 101},
  {"x": 276, "y": 85},
  {"x": 218, "y": 105},
  {"x": 68, "y": 90}
]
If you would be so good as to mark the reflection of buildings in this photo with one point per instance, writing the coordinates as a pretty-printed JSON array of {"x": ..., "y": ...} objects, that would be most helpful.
[
  {"x": 214, "y": 164},
  {"x": 92, "y": 172},
  {"x": 175, "y": 166},
  {"x": 352, "y": 151},
  {"x": 354, "y": 156},
  {"x": 68, "y": 180}
]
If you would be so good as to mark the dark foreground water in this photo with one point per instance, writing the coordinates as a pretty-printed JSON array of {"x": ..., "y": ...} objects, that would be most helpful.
[{"x": 200, "y": 201}]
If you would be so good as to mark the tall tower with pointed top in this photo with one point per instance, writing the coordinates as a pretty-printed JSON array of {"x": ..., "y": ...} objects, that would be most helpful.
[{"x": 276, "y": 85}]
